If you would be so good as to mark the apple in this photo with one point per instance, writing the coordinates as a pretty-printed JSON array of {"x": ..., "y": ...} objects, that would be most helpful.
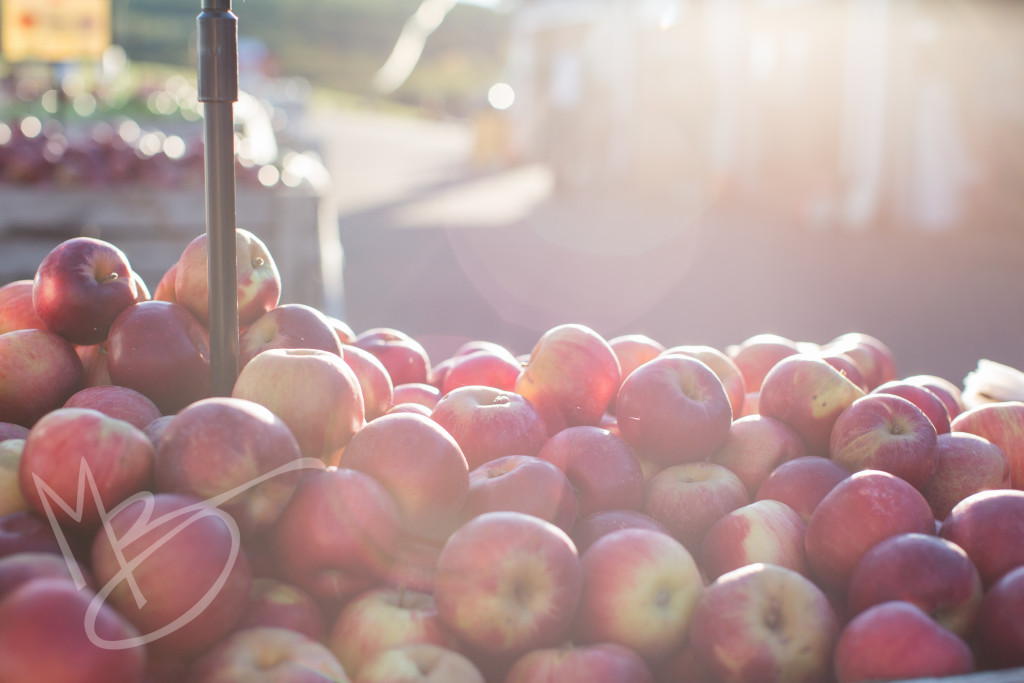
[
  {"x": 315, "y": 392},
  {"x": 898, "y": 640},
  {"x": 999, "y": 628},
  {"x": 640, "y": 589},
  {"x": 122, "y": 403},
  {"x": 859, "y": 512},
  {"x": 845, "y": 365},
  {"x": 426, "y": 395},
  {"x": 755, "y": 446},
  {"x": 758, "y": 354},
  {"x": 950, "y": 394},
  {"x": 94, "y": 365},
  {"x": 11, "y": 498},
  {"x": 508, "y": 583},
  {"x": 267, "y": 654},
  {"x": 489, "y": 423},
  {"x": 589, "y": 528},
  {"x": 875, "y": 359},
  {"x": 219, "y": 447},
  {"x": 802, "y": 482},
  {"x": 346, "y": 335},
  {"x": 374, "y": 380},
  {"x": 808, "y": 394},
  {"x": 384, "y": 617},
  {"x": 17, "y": 312},
  {"x": 723, "y": 366},
  {"x": 77, "y": 463},
  {"x": 39, "y": 371},
  {"x": 410, "y": 407},
  {"x": 338, "y": 535},
  {"x": 50, "y": 630},
  {"x": 25, "y": 531},
  {"x": 141, "y": 290},
  {"x": 632, "y": 351},
  {"x": 751, "y": 404},
  {"x": 414, "y": 563},
  {"x": 419, "y": 463},
  {"x": 523, "y": 483},
  {"x": 277, "y": 603},
  {"x": 764, "y": 622},
  {"x": 923, "y": 569},
  {"x": 259, "y": 282},
  {"x": 20, "y": 568},
  {"x": 189, "y": 581},
  {"x": 288, "y": 326},
  {"x": 762, "y": 531},
  {"x": 160, "y": 350},
  {"x": 988, "y": 525},
  {"x": 964, "y": 464},
  {"x": 930, "y": 404},
  {"x": 1002, "y": 423},
  {"x": 9, "y": 430},
  {"x": 498, "y": 369},
  {"x": 673, "y": 409},
  {"x": 419, "y": 663},
  {"x": 596, "y": 663},
  {"x": 165, "y": 286},
  {"x": 405, "y": 358},
  {"x": 602, "y": 468},
  {"x": 571, "y": 377},
  {"x": 80, "y": 287},
  {"x": 689, "y": 498},
  {"x": 888, "y": 433}
]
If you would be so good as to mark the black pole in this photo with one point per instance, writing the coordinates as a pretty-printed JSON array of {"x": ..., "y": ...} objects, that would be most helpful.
[{"x": 218, "y": 91}]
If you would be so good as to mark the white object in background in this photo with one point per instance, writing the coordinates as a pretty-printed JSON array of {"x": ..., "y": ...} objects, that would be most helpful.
[{"x": 992, "y": 382}]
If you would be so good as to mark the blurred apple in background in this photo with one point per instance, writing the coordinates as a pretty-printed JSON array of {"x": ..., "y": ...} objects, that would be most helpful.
[
  {"x": 595, "y": 525},
  {"x": 20, "y": 568},
  {"x": 419, "y": 663},
  {"x": 999, "y": 628},
  {"x": 404, "y": 358},
  {"x": 571, "y": 377},
  {"x": 922, "y": 397},
  {"x": 27, "y": 531},
  {"x": 1001, "y": 423},
  {"x": 165, "y": 287},
  {"x": 374, "y": 380},
  {"x": 721, "y": 365},
  {"x": 875, "y": 359},
  {"x": 17, "y": 312},
  {"x": 988, "y": 525},
  {"x": 964, "y": 464},
  {"x": 498, "y": 369},
  {"x": 950, "y": 394},
  {"x": 94, "y": 365},
  {"x": 259, "y": 282},
  {"x": 267, "y": 654},
  {"x": 39, "y": 371},
  {"x": 755, "y": 446},
  {"x": 160, "y": 350},
  {"x": 756, "y": 355},
  {"x": 118, "y": 402},
  {"x": 277, "y": 603},
  {"x": 802, "y": 482},
  {"x": 763, "y": 531},
  {"x": 673, "y": 409},
  {"x": 427, "y": 395},
  {"x": 597, "y": 663},
  {"x": 522, "y": 483},
  {"x": 632, "y": 351},
  {"x": 80, "y": 287},
  {"x": 346, "y": 335},
  {"x": 288, "y": 326},
  {"x": 11, "y": 498}
]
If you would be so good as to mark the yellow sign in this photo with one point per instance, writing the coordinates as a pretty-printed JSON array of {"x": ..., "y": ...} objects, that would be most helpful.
[{"x": 54, "y": 30}]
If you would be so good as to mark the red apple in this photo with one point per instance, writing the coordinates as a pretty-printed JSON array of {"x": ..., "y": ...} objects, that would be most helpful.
[
  {"x": 384, "y": 617},
  {"x": 39, "y": 371},
  {"x": 17, "y": 311},
  {"x": 419, "y": 463},
  {"x": 80, "y": 287},
  {"x": 897, "y": 640},
  {"x": 228, "y": 450},
  {"x": 756, "y": 355},
  {"x": 288, "y": 326},
  {"x": 875, "y": 359},
  {"x": 595, "y": 525},
  {"x": 346, "y": 335},
  {"x": 844, "y": 364},
  {"x": 923, "y": 569},
  {"x": 276, "y": 603},
  {"x": 988, "y": 525},
  {"x": 189, "y": 581},
  {"x": 414, "y": 564},
  {"x": 802, "y": 482},
  {"x": 259, "y": 282},
  {"x": 19, "y": 568},
  {"x": 405, "y": 358},
  {"x": 808, "y": 394},
  {"x": 763, "y": 531},
  {"x": 374, "y": 380},
  {"x": 571, "y": 377},
  {"x": 508, "y": 583},
  {"x": 687, "y": 499},
  {"x": 338, "y": 535},
  {"x": 410, "y": 407},
  {"x": 52, "y": 631},
  {"x": 419, "y": 663},
  {"x": 27, "y": 532},
  {"x": 165, "y": 287},
  {"x": 315, "y": 393},
  {"x": 999, "y": 628},
  {"x": 1001, "y": 423},
  {"x": 755, "y": 446},
  {"x": 160, "y": 350},
  {"x": 888, "y": 433},
  {"x": 764, "y": 622},
  {"x": 426, "y": 395},
  {"x": 268, "y": 654},
  {"x": 859, "y": 512},
  {"x": 597, "y": 663},
  {"x": 118, "y": 402},
  {"x": 723, "y": 366},
  {"x": 498, "y": 369},
  {"x": 964, "y": 464},
  {"x": 79, "y": 463},
  {"x": 489, "y": 423},
  {"x": 523, "y": 483},
  {"x": 640, "y": 590},
  {"x": 673, "y": 409},
  {"x": 94, "y": 365},
  {"x": 141, "y": 290},
  {"x": 11, "y": 497},
  {"x": 9, "y": 430},
  {"x": 632, "y": 351},
  {"x": 602, "y": 468},
  {"x": 950, "y": 394},
  {"x": 930, "y": 404}
]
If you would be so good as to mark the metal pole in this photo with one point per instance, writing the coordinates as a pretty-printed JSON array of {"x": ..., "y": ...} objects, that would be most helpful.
[{"x": 218, "y": 91}]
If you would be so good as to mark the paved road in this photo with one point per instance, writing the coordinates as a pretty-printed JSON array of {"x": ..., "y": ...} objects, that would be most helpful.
[{"x": 447, "y": 251}]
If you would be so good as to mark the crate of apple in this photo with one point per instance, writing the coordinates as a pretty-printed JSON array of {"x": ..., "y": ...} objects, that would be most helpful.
[{"x": 618, "y": 510}]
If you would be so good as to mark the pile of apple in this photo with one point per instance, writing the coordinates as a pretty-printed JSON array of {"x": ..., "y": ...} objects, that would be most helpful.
[{"x": 611, "y": 511}]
